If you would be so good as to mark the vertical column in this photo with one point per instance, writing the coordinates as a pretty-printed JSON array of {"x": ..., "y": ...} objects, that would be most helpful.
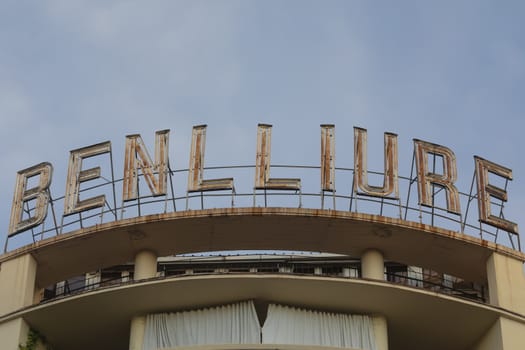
[
  {"x": 380, "y": 331},
  {"x": 506, "y": 282},
  {"x": 505, "y": 334},
  {"x": 136, "y": 334},
  {"x": 373, "y": 267},
  {"x": 17, "y": 288},
  {"x": 14, "y": 333},
  {"x": 507, "y": 290},
  {"x": 145, "y": 267}
]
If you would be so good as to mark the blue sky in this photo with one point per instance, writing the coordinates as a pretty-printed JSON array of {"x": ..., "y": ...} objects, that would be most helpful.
[{"x": 74, "y": 73}]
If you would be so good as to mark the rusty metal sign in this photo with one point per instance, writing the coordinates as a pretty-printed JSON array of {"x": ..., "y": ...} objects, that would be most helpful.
[
  {"x": 328, "y": 157},
  {"x": 435, "y": 167},
  {"x": 390, "y": 180},
  {"x": 427, "y": 178},
  {"x": 75, "y": 176},
  {"x": 196, "y": 167},
  {"x": 23, "y": 195},
  {"x": 262, "y": 164},
  {"x": 487, "y": 190},
  {"x": 136, "y": 156}
]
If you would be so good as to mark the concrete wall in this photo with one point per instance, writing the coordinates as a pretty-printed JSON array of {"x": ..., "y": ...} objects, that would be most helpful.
[
  {"x": 17, "y": 289},
  {"x": 507, "y": 290},
  {"x": 505, "y": 277},
  {"x": 17, "y": 283},
  {"x": 505, "y": 334},
  {"x": 506, "y": 283},
  {"x": 13, "y": 333},
  {"x": 145, "y": 267}
]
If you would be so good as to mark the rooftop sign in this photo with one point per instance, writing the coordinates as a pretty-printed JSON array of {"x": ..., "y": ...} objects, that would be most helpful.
[{"x": 30, "y": 204}]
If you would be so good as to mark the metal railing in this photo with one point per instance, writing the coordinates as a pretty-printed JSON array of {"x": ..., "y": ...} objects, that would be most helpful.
[
  {"x": 346, "y": 198},
  {"x": 463, "y": 289},
  {"x": 425, "y": 280}
]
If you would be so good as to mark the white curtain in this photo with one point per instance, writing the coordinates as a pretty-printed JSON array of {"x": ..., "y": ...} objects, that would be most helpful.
[
  {"x": 287, "y": 325},
  {"x": 228, "y": 324}
]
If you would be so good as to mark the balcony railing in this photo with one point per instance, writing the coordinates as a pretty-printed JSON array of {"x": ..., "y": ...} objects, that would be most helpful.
[{"x": 395, "y": 273}]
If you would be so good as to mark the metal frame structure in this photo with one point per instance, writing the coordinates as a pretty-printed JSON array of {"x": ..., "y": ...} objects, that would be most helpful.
[
  {"x": 263, "y": 181},
  {"x": 328, "y": 162},
  {"x": 196, "y": 181},
  {"x": 145, "y": 204}
]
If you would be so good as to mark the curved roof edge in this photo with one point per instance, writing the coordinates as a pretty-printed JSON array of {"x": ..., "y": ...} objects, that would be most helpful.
[{"x": 273, "y": 228}]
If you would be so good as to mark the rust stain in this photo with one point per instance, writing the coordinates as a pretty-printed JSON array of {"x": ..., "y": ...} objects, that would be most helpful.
[
  {"x": 75, "y": 176},
  {"x": 23, "y": 195},
  {"x": 136, "y": 155},
  {"x": 328, "y": 157},
  {"x": 250, "y": 211},
  {"x": 262, "y": 169},
  {"x": 196, "y": 181},
  {"x": 390, "y": 180},
  {"x": 426, "y": 177},
  {"x": 485, "y": 191}
]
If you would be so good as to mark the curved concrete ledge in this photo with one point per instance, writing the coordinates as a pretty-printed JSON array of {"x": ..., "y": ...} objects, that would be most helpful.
[
  {"x": 417, "y": 319},
  {"x": 251, "y": 228}
]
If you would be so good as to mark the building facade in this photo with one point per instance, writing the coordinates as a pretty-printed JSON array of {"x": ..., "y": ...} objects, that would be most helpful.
[
  {"x": 407, "y": 285},
  {"x": 385, "y": 276}
]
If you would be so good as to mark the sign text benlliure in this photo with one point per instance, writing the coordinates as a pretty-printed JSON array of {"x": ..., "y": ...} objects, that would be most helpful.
[{"x": 155, "y": 173}]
